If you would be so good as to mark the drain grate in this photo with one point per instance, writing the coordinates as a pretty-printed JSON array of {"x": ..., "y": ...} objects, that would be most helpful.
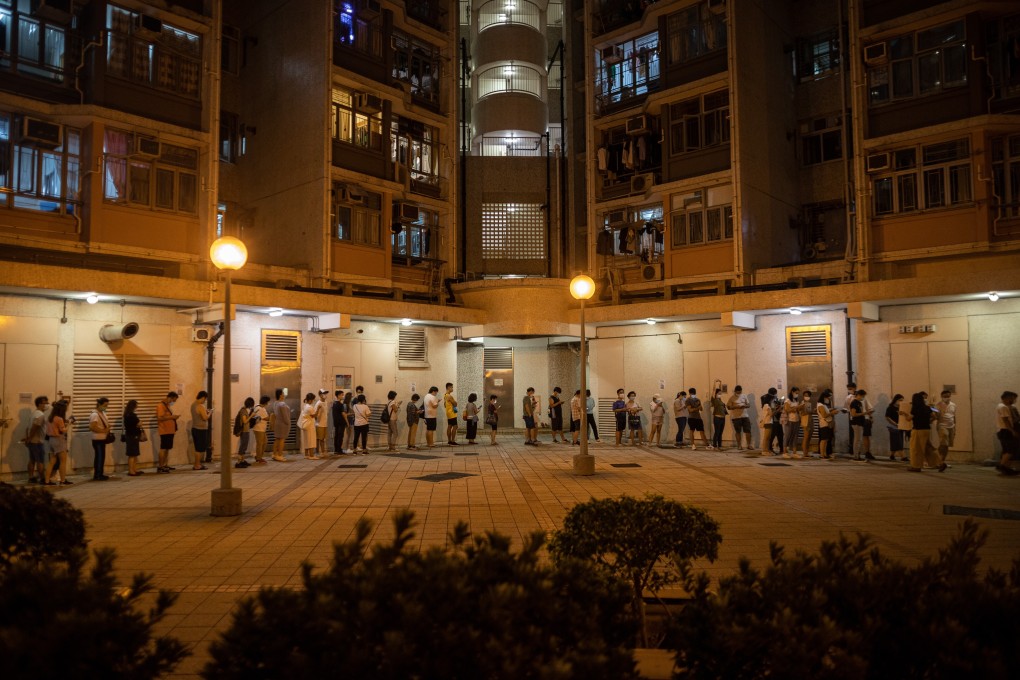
[
  {"x": 352, "y": 465},
  {"x": 624, "y": 465},
  {"x": 467, "y": 453},
  {"x": 411, "y": 456},
  {"x": 774, "y": 464},
  {"x": 987, "y": 513},
  {"x": 443, "y": 476}
]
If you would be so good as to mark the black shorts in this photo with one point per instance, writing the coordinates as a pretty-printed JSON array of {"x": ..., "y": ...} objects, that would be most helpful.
[
  {"x": 452, "y": 422},
  {"x": 201, "y": 439},
  {"x": 825, "y": 434},
  {"x": 430, "y": 424},
  {"x": 621, "y": 422},
  {"x": 695, "y": 424},
  {"x": 529, "y": 422},
  {"x": 166, "y": 442},
  {"x": 556, "y": 425},
  {"x": 1009, "y": 442},
  {"x": 867, "y": 427}
]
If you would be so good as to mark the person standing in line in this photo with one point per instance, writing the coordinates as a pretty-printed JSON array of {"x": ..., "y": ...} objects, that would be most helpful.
[
  {"x": 771, "y": 398},
  {"x": 414, "y": 413},
  {"x": 338, "y": 412},
  {"x": 695, "y": 421},
  {"x": 634, "y": 410},
  {"x": 826, "y": 416},
  {"x": 132, "y": 437},
  {"x": 100, "y": 428},
  {"x": 259, "y": 429},
  {"x": 869, "y": 422},
  {"x": 393, "y": 409},
  {"x": 321, "y": 410},
  {"x": 471, "y": 418},
  {"x": 737, "y": 405},
  {"x": 905, "y": 425},
  {"x": 620, "y": 413},
  {"x": 921, "y": 451},
  {"x": 589, "y": 407},
  {"x": 765, "y": 423},
  {"x": 946, "y": 424},
  {"x": 34, "y": 439},
  {"x": 791, "y": 423},
  {"x": 851, "y": 394},
  {"x": 657, "y": 412},
  {"x": 362, "y": 417},
  {"x": 530, "y": 426},
  {"x": 556, "y": 415},
  {"x": 680, "y": 416},
  {"x": 281, "y": 425},
  {"x": 306, "y": 427},
  {"x": 200, "y": 416},
  {"x": 892, "y": 423},
  {"x": 242, "y": 427},
  {"x": 56, "y": 436},
  {"x": 807, "y": 409},
  {"x": 1006, "y": 433},
  {"x": 450, "y": 405},
  {"x": 718, "y": 418},
  {"x": 431, "y": 415},
  {"x": 166, "y": 426},
  {"x": 857, "y": 425},
  {"x": 492, "y": 418},
  {"x": 575, "y": 418},
  {"x": 349, "y": 400}
]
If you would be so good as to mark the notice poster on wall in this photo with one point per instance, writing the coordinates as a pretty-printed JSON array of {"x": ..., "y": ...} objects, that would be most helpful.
[{"x": 343, "y": 381}]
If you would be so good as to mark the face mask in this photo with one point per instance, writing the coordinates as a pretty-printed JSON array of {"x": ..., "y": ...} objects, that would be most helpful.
[{"x": 101, "y": 408}]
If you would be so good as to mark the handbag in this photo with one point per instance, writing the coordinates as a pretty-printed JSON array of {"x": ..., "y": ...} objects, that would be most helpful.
[
  {"x": 110, "y": 438},
  {"x": 142, "y": 437}
]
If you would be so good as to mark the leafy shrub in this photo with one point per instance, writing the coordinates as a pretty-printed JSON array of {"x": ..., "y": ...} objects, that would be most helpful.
[
  {"x": 36, "y": 525},
  {"x": 645, "y": 542},
  {"x": 849, "y": 612},
  {"x": 475, "y": 610}
]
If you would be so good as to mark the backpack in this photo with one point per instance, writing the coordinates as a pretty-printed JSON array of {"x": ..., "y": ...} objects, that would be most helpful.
[
  {"x": 385, "y": 415},
  {"x": 238, "y": 424}
]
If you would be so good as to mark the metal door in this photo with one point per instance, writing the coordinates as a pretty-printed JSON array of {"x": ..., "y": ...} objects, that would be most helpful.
[
  {"x": 498, "y": 364},
  {"x": 26, "y": 372}
]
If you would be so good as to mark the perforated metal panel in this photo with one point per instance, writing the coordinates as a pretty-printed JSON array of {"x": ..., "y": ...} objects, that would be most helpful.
[
  {"x": 807, "y": 343},
  {"x": 119, "y": 378},
  {"x": 496, "y": 358},
  {"x": 281, "y": 348},
  {"x": 412, "y": 348}
]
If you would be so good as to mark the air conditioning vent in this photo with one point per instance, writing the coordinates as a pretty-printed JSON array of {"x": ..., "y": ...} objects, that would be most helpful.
[
  {"x": 147, "y": 146},
  {"x": 497, "y": 358},
  {"x": 612, "y": 55},
  {"x": 876, "y": 54},
  {"x": 369, "y": 10},
  {"x": 651, "y": 272},
  {"x": 640, "y": 184},
  {"x": 368, "y": 103},
  {"x": 201, "y": 334},
  {"x": 281, "y": 348},
  {"x": 878, "y": 162},
  {"x": 147, "y": 27},
  {"x": 406, "y": 212},
  {"x": 42, "y": 133},
  {"x": 639, "y": 125},
  {"x": 412, "y": 348},
  {"x": 53, "y": 10},
  {"x": 808, "y": 343}
]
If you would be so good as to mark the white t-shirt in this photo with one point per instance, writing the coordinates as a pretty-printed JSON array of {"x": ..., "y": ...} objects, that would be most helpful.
[
  {"x": 947, "y": 414},
  {"x": 104, "y": 423},
  {"x": 824, "y": 415},
  {"x": 307, "y": 417},
  {"x": 737, "y": 406},
  {"x": 1003, "y": 418},
  {"x": 431, "y": 405},
  {"x": 260, "y": 411},
  {"x": 361, "y": 414},
  {"x": 321, "y": 413}
]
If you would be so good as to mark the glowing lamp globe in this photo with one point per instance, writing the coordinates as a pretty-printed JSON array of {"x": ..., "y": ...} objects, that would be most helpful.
[
  {"x": 228, "y": 252},
  {"x": 582, "y": 287}
]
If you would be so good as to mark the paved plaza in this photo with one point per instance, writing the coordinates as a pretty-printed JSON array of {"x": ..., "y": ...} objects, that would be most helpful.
[{"x": 294, "y": 511}]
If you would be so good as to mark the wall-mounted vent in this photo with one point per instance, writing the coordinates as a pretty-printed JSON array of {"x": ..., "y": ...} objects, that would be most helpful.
[
  {"x": 119, "y": 377},
  {"x": 412, "y": 348},
  {"x": 281, "y": 348},
  {"x": 497, "y": 358},
  {"x": 808, "y": 343}
]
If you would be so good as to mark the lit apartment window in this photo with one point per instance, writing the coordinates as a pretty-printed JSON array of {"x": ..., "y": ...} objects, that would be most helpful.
[
  {"x": 39, "y": 165},
  {"x": 633, "y": 231},
  {"x": 503, "y": 12},
  {"x": 150, "y": 52},
  {"x": 29, "y": 44},
  {"x": 917, "y": 64},
  {"x": 415, "y": 146},
  {"x": 1006, "y": 175},
  {"x": 626, "y": 70},
  {"x": 699, "y": 123},
  {"x": 356, "y": 121},
  {"x": 818, "y": 56},
  {"x": 509, "y": 78},
  {"x": 694, "y": 223},
  {"x": 416, "y": 63},
  {"x": 513, "y": 231},
  {"x": 694, "y": 32},
  {"x": 353, "y": 31},
  {"x": 821, "y": 140},
  {"x": 416, "y": 240},
  {"x": 143, "y": 172},
  {"x": 921, "y": 178},
  {"x": 356, "y": 215}
]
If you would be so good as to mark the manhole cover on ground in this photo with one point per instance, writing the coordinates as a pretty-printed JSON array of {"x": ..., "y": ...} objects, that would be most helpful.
[{"x": 352, "y": 465}]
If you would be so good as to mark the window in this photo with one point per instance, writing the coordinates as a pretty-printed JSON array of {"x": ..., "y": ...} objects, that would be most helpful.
[
  {"x": 818, "y": 56},
  {"x": 921, "y": 178},
  {"x": 354, "y": 33},
  {"x": 821, "y": 140},
  {"x": 150, "y": 52},
  {"x": 627, "y": 70},
  {"x": 699, "y": 123},
  {"x": 503, "y": 12},
  {"x": 920, "y": 64},
  {"x": 693, "y": 222},
  {"x": 415, "y": 146},
  {"x": 144, "y": 172},
  {"x": 1003, "y": 40},
  {"x": 351, "y": 125},
  {"x": 513, "y": 231},
  {"x": 230, "y": 50},
  {"x": 416, "y": 240},
  {"x": 230, "y": 143},
  {"x": 694, "y": 32},
  {"x": 633, "y": 231},
  {"x": 1006, "y": 175},
  {"x": 37, "y": 176},
  {"x": 416, "y": 63},
  {"x": 31, "y": 45},
  {"x": 356, "y": 215},
  {"x": 509, "y": 78}
]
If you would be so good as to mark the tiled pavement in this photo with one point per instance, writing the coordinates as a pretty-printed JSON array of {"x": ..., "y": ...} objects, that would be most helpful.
[{"x": 295, "y": 511}]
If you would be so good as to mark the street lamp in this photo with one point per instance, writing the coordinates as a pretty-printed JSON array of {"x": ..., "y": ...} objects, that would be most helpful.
[
  {"x": 228, "y": 254},
  {"x": 582, "y": 288}
]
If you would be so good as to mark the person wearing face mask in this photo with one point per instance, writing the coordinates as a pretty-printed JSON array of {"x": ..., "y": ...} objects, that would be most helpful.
[
  {"x": 99, "y": 427},
  {"x": 657, "y": 412},
  {"x": 791, "y": 423},
  {"x": 166, "y": 426},
  {"x": 946, "y": 424}
]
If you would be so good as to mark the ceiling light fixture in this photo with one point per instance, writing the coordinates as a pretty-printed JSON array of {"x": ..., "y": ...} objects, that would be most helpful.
[
  {"x": 795, "y": 311},
  {"x": 650, "y": 322},
  {"x": 92, "y": 298},
  {"x": 993, "y": 296},
  {"x": 406, "y": 322},
  {"x": 276, "y": 312}
]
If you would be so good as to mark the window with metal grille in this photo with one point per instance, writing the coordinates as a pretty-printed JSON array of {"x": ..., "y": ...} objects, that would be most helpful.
[
  {"x": 513, "y": 231},
  {"x": 412, "y": 348},
  {"x": 281, "y": 348},
  {"x": 808, "y": 343},
  {"x": 119, "y": 378},
  {"x": 495, "y": 358}
]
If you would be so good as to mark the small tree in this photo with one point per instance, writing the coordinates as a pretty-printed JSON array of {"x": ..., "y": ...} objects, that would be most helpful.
[
  {"x": 475, "y": 610},
  {"x": 38, "y": 525},
  {"x": 642, "y": 541},
  {"x": 849, "y": 612}
]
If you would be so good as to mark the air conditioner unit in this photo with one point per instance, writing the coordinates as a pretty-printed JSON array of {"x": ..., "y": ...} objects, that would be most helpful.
[
  {"x": 406, "y": 212},
  {"x": 368, "y": 103},
  {"x": 639, "y": 125},
  {"x": 42, "y": 133},
  {"x": 617, "y": 218},
  {"x": 369, "y": 10},
  {"x": 876, "y": 54},
  {"x": 717, "y": 6},
  {"x": 147, "y": 27},
  {"x": 201, "y": 334},
  {"x": 612, "y": 55},
  {"x": 147, "y": 146},
  {"x": 651, "y": 272},
  {"x": 54, "y": 10},
  {"x": 878, "y": 162},
  {"x": 640, "y": 184}
]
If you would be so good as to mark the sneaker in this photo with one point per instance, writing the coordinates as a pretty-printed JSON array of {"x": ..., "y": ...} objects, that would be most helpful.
[
  {"x": 1006, "y": 470},
  {"x": 454, "y": 443},
  {"x": 868, "y": 456},
  {"x": 260, "y": 461},
  {"x": 279, "y": 459},
  {"x": 67, "y": 481},
  {"x": 710, "y": 448},
  {"x": 242, "y": 464}
]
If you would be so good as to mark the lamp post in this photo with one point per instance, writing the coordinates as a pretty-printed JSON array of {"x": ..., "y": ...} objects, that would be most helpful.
[
  {"x": 582, "y": 288},
  {"x": 228, "y": 254}
]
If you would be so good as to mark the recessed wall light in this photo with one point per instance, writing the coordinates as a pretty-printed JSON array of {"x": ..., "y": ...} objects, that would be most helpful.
[
  {"x": 276, "y": 312},
  {"x": 650, "y": 322},
  {"x": 795, "y": 311},
  {"x": 92, "y": 298},
  {"x": 993, "y": 296},
  {"x": 406, "y": 322}
]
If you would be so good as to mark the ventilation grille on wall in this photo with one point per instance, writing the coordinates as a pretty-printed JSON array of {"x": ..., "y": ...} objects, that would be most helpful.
[
  {"x": 119, "y": 378},
  {"x": 808, "y": 343},
  {"x": 281, "y": 348},
  {"x": 496, "y": 358},
  {"x": 412, "y": 348}
]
